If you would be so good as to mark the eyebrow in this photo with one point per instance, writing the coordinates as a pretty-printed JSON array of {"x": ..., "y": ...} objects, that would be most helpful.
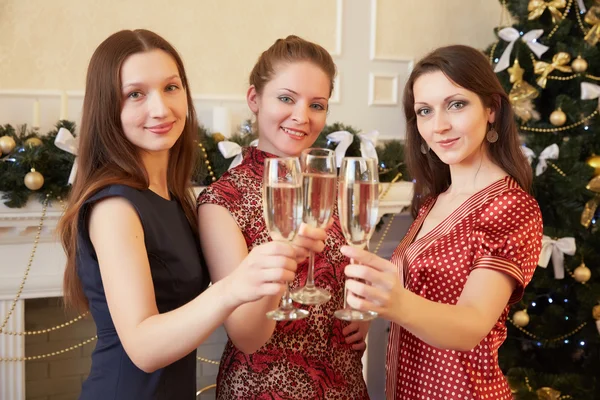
[
  {"x": 314, "y": 98},
  {"x": 446, "y": 99},
  {"x": 140, "y": 84}
]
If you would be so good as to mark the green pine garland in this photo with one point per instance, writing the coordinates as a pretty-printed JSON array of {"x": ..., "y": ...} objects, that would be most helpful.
[{"x": 55, "y": 164}]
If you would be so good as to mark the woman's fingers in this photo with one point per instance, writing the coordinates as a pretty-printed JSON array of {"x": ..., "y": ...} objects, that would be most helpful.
[
  {"x": 364, "y": 257},
  {"x": 368, "y": 293}
]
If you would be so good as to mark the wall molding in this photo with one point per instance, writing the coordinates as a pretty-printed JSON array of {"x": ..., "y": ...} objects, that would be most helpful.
[
  {"x": 394, "y": 90},
  {"x": 373, "y": 43}
]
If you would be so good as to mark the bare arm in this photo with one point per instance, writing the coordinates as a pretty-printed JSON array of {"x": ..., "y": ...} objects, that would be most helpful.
[
  {"x": 224, "y": 248},
  {"x": 456, "y": 327},
  {"x": 154, "y": 340}
]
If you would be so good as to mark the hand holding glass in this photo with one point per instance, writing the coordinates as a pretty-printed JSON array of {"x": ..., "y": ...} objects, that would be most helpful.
[
  {"x": 282, "y": 208},
  {"x": 318, "y": 187},
  {"x": 358, "y": 203}
]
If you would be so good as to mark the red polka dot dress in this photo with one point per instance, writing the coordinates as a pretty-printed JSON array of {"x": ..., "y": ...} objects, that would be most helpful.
[{"x": 499, "y": 228}]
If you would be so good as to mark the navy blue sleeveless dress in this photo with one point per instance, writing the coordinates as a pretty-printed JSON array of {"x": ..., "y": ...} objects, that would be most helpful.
[{"x": 178, "y": 275}]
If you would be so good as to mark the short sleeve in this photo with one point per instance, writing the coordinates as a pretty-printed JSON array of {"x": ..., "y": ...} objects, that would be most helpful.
[{"x": 508, "y": 237}]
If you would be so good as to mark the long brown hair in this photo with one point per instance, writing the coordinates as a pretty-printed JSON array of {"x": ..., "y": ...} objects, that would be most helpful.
[
  {"x": 289, "y": 50},
  {"x": 106, "y": 156},
  {"x": 470, "y": 69}
]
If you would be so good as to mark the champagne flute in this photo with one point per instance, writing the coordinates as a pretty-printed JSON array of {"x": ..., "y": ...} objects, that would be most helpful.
[
  {"x": 318, "y": 187},
  {"x": 282, "y": 208},
  {"x": 358, "y": 204}
]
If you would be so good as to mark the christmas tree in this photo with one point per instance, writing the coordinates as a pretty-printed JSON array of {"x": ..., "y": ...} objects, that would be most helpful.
[{"x": 548, "y": 61}]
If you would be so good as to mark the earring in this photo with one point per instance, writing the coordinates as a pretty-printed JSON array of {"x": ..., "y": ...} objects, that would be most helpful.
[
  {"x": 424, "y": 148},
  {"x": 492, "y": 136}
]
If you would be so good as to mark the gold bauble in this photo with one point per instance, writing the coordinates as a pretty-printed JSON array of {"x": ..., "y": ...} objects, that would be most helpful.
[
  {"x": 521, "y": 318},
  {"x": 33, "y": 142},
  {"x": 579, "y": 64},
  {"x": 558, "y": 117},
  {"x": 582, "y": 273},
  {"x": 594, "y": 162},
  {"x": 218, "y": 137},
  {"x": 596, "y": 312},
  {"x": 34, "y": 180},
  {"x": 7, "y": 144}
]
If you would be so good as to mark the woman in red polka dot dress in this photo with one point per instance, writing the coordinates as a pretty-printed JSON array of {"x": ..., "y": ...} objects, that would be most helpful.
[{"x": 474, "y": 243}]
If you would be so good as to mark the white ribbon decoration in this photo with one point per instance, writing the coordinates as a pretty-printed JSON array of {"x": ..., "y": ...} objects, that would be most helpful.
[
  {"x": 511, "y": 35},
  {"x": 344, "y": 139},
  {"x": 583, "y": 10},
  {"x": 590, "y": 91},
  {"x": 232, "y": 149},
  {"x": 368, "y": 141},
  {"x": 549, "y": 153},
  {"x": 67, "y": 142},
  {"x": 556, "y": 249}
]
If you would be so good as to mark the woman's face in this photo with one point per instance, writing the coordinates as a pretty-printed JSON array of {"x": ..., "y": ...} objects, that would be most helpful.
[
  {"x": 451, "y": 120},
  {"x": 154, "y": 101},
  {"x": 292, "y": 108}
]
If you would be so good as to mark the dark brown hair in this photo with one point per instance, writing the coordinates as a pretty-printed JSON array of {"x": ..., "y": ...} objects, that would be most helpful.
[
  {"x": 470, "y": 69},
  {"x": 106, "y": 156},
  {"x": 288, "y": 50}
]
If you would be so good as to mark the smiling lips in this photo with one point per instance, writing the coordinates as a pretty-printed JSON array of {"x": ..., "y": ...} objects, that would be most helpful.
[
  {"x": 293, "y": 133},
  {"x": 162, "y": 128},
  {"x": 448, "y": 142}
]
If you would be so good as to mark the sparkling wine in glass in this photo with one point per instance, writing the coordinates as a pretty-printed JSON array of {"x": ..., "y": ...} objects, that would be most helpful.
[
  {"x": 358, "y": 203},
  {"x": 319, "y": 180},
  {"x": 282, "y": 208}
]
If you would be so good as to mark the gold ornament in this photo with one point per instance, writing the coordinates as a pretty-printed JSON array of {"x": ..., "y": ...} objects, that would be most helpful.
[
  {"x": 559, "y": 62},
  {"x": 582, "y": 273},
  {"x": 547, "y": 393},
  {"x": 594, "y": 162},
  {"x": 522, "y": 94},
  {"x": 594, "y": 185},
  {"x": 7, "y": 144},
  {"x": 218, "y": 137},
  {"x": 593, "y": 18},
  {"x": 579, "y": 64},
  {"x": 558, "y": 117},
  {"x": 33, "y": 142},
  {"x": 516, "y": 72},
  {"x": 536, "y": 9},
  {"x": 589, "y": 211},
  {"x": 596, "y": 312},
  {"x": 34, "y": 180},
  {"x": 521, "y": 318}
]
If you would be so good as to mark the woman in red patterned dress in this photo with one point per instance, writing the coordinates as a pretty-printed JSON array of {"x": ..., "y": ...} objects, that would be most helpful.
[
  {"x": 318, "y": 357},
  {"x": 474, "y": 243}
]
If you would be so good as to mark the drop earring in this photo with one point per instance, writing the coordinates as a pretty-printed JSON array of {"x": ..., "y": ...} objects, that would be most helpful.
[{"x": 492, "y": 136}]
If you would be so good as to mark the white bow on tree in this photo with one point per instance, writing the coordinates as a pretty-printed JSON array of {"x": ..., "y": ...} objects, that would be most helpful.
[
  {"x": 590, "y": 91},
  {"x": 344, "y": 140},
  {"x": 67, "y": 142},
  {"x": 511, "y": 35},
  {"x": 556, "y": 249},
  {"x": 232, "y": 149},
  {"x": 549, "y": 153}
]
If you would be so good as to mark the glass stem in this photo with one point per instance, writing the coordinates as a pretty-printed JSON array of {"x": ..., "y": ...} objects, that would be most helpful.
[
  {"x": 310, "y": 276},
  {"x": 286, "y": 300},
  {"x": 346, "y": 290}
]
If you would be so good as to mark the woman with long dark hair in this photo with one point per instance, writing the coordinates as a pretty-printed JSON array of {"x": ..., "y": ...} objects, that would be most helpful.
[
  {"x": 474, "y": 243},
  {"x": 130, "y": 228}
]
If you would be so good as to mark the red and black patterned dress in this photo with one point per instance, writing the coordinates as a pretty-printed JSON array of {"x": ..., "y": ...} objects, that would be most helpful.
[
  {"x": 305, "y": 359},
  {"x": 499, "y": 228}
]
